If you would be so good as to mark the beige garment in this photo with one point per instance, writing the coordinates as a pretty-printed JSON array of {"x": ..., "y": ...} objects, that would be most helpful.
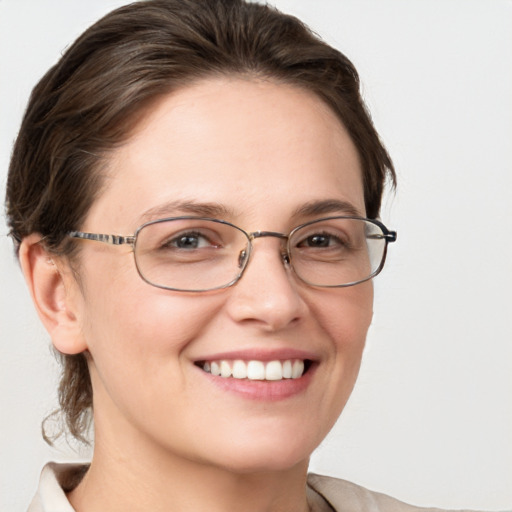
[
  {"x": 324, "y": 494},
  {"x": 343, "y": 496}
]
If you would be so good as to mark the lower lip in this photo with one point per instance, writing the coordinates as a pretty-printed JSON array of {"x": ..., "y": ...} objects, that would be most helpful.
[{"x": 264, "y": 390}]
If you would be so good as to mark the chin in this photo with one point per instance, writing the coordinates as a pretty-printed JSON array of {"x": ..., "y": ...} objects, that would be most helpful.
[
  {"x": 268, "y": 464},
  {"x": 274, "y": 455}
]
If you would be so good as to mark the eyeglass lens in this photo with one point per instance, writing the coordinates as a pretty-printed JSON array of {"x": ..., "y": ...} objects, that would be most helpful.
[{"x": 196, "y": 255}]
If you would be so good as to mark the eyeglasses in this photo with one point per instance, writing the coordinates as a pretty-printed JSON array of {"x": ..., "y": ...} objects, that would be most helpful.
[{"x": 196, "y": 254}]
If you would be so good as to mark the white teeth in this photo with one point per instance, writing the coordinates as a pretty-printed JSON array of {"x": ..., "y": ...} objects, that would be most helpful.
[
  {"x": 256, "y": 370},
  {"x": 287, "y": 370},
  {"x": 274, "y": 371},
  {"x": 225, "y": 369},
  {"x": 239, "y": 370},
  {"x": 298, "y": 369},
  {"x": 215, "y": 368}
]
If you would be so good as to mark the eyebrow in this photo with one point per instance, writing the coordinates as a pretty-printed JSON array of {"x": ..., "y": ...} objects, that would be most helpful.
[
  {"x": 173, "y": 208},
  {"x": 220, "y": 211},
  {"x": 325, "y": 206}
]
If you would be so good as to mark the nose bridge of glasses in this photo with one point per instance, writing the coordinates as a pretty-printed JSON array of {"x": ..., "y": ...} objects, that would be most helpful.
[{"x": 261, "y": 234}]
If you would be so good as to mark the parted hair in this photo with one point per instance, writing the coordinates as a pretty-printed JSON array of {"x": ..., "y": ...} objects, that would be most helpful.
[{"x": 89, "y": 102}]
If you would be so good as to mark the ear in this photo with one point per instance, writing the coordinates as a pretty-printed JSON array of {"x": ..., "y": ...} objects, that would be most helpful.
[{"x": 55, "y": 293}]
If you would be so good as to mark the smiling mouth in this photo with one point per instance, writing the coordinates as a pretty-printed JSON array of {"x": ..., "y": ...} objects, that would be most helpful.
[{"x": 256, "y": 370}]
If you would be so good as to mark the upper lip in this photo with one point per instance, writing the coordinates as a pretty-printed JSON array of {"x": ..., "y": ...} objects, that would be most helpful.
[{"x": 260, "y": 354}]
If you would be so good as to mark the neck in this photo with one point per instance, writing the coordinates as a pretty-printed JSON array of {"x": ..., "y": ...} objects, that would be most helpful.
[{"x": 148, "y": 478}]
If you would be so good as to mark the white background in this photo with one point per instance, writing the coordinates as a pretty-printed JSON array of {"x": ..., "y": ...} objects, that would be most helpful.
[{"x": 431, "y": 418}]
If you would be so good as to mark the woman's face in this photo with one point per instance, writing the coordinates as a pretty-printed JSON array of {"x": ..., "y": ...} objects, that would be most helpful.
[{"x": 263, "y": 156}]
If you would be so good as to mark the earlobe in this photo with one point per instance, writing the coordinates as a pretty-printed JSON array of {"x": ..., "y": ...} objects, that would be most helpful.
[{"x": 54, "y": 292}]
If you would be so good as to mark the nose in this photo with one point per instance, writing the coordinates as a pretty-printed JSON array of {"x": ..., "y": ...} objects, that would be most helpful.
[{"x": 267, "y": 293}]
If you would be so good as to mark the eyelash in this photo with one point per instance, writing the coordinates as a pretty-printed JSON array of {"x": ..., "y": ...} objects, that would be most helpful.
[
  {"x": 174, "y": 241},
  {"x": 331, "y": 236}
]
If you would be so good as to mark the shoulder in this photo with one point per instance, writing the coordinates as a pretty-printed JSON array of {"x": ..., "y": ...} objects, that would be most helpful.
[
  {"x": 55, "y": 480},
  {"x": 349, "y": 497}
]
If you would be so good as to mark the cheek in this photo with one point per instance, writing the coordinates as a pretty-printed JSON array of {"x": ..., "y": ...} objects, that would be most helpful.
[
  {"x": 125, "y": 317},
  {"x": 345, "y": 317},
  {"x": 141, "y": 336},
  {"x": 345, "y": 314}
]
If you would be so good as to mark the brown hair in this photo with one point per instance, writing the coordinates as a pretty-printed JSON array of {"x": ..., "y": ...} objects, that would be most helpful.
[{"x": 86, "y": 105}]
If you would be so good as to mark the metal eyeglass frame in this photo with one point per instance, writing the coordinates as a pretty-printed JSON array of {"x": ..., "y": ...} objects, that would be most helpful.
[{"x": 388, "y": 235}]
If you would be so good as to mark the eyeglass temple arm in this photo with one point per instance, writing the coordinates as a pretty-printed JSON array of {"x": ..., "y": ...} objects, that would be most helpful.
[
  {"x": 390, "y": 236},
  {"x": 107, "y": 239}
]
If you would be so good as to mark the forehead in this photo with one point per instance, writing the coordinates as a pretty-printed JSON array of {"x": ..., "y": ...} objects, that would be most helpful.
[{"x": 245, "y": 144}]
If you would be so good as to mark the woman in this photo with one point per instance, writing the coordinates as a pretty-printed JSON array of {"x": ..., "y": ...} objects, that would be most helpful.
[{"x": 204, "y": 208}]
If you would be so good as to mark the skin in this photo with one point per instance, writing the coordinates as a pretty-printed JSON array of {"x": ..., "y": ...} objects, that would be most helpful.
[{"x": 261, "y": 150}]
